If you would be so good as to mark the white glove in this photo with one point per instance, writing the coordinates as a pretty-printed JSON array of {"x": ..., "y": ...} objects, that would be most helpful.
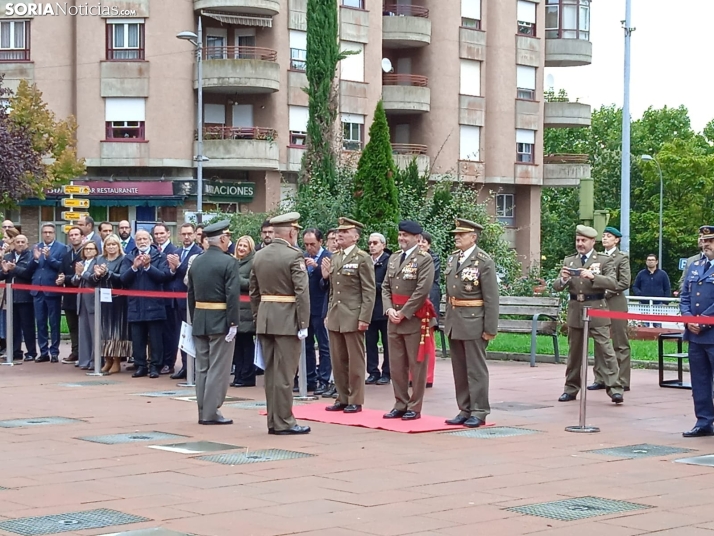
[
  {"x": 232, "y": 333},
  {"x": 302, "y": 334}
]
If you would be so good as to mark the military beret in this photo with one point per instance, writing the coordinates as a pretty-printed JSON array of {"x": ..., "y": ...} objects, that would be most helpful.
[
  {"x": 286, "y": 220},
  {"x": 411, "y": 227},
  {"x": 348, "y": 223},
  {"x": 587, "y": 232},
  {"x": 466, "y": 226},
  {"x": 216, "y": 229},
  {"x": 706, "y": 232},
  {"x": 614, "y": 232}
]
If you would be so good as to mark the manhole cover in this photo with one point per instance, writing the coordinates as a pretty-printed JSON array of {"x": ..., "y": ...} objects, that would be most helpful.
[
  {"x": 195, "y": 447},
  {"x": 88, "y": 383},
  {"x": 493, "y": 432},
  {"x": 74, "y": 521},
  {"x": 155, "y": 394},
  {"x": 256, "y": 456},
  {"x": 580, "y": 508},
  {"x": 516, "y": 406},
  {"x": 639, "y": 451},
  {"x": 115, "y": 439},
  {"x": 36, "y": 421},
  {"x": 698, "y": 460}
]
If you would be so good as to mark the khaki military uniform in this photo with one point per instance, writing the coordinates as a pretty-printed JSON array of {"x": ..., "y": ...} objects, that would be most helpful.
[
  {"x": 587, "y": 293},
  {"x": 280, "y": 300},
  {"x": 213, "y": 292},
  {"x": 352, "y": 295},
  {"x": 617, "y": 301},
  {"x": 413, "y": 278},
  {"x": 471, "y": 310}
]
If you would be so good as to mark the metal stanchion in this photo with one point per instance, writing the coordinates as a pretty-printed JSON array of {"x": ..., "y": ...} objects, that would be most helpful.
[
  {"x": 190, "y": 372},
  {"x": 582, "y": 427},
  {"x": 9, "y": 327},
  {"x": 97, "y": 333},
  {"x": 302, "y": 375}
]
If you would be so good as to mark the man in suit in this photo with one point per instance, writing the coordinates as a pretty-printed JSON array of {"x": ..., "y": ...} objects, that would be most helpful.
[
  {"x": 72, "y": 255},
  {"x": 162, "y": 239},
  {"x": 213, "y": 292},
  {"x": 587, "y": 275},
  {"x": 318, "y": 379},
  {"x": 471, "y": 321},
  {"x": 47, "y": 256},
  {"x": 349, "y": 311},
  {"x": 127, "y": 242},
  {"x": 698, "y": 300},
  {"x": 105, "y": 229},
  {"x": 87, "y": 226},
  {"x": 18, "y": 267},
  {"x": 178, "y": 264},
  {"x": 266, "y": 235},
  {"x": 280, "y": 301},
  {"x": 405, "y": 296},
  {"x": 378, "y": 324},
  {"x": 616, "y": 301}
]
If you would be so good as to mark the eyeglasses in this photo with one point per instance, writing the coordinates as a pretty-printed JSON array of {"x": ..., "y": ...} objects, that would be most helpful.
[
  {"x": 90, "y": 249},
  {"x": 373, "y": 243}
]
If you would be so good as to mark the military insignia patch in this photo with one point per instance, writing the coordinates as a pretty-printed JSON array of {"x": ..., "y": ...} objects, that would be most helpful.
[
  {"x": 595, "y": 268},
  {"x": 302, "y": 266}
]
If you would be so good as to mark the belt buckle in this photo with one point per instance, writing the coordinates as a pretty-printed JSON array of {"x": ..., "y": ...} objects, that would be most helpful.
[{"x": 581, "y": 297}]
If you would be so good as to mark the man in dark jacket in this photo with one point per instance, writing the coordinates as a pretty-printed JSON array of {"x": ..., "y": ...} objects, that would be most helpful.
[
  {"x": 652, "y": 282},
  {"x": 162, "y": 240},
  {"x": 146, "y": 269},
  {"x": 17, "y": 267},
  {"x": 378, "y": 326},
  {"x": 69, "y": 301}
]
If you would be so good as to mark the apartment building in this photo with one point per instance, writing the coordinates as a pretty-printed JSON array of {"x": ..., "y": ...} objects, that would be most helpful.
[{"x": 461, "y": 81}]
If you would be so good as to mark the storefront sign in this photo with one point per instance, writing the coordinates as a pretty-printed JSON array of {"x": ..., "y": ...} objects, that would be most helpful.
[
  {"x": 122, "y": 189},
  {"x": 225, "y": 191}
]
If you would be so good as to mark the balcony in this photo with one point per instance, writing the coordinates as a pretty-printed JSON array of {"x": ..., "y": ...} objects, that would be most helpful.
[
  {"x": 567, "y": 115},
  {"x": 565, "y": 170},
  {"x": 405, "y": 153},
  {"x": 124, "y": 78},
  {"x": 240, "y": 148},
  {"x": 248, "y": 7},
  {"x": 243, "y": 70},
  {"x": 567, "y": 33},
  {"x": 568, "y": 52},
  {"x": 15, "y": 65},
  {"x": 405, "y": 26},
  {"x": 406, "y": 93}
]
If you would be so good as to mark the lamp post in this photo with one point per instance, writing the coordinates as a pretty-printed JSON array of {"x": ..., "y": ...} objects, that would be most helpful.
[
  {"x": 197, "y": 41},
  {"x": 648, "y": 158}
]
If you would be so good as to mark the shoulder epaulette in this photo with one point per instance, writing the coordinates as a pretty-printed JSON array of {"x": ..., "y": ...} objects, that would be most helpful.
[
  {"x": 455, "y": 252},
  {"x": 483, "y": 255},
  {"x": 422, "y": 252}
]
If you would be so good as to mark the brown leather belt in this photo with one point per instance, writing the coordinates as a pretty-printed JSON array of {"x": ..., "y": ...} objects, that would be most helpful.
[
  {"x": 277, "y": 298},
  {"x": 465, "y": 303},
  {"x": 587, "y": 297},
  {"x": 211, "y": 305}
]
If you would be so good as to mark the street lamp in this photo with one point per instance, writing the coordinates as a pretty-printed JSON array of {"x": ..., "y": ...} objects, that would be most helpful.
[
  {"x": 197, "y": 41},
  {"x": 648, "y": 158}
]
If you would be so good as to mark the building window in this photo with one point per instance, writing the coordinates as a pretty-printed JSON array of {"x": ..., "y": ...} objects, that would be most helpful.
[
  {"x": 525, "y": 146},
  {"x": 526, "y": 18},
  {"x": 525, "y": 82},
  {"x": 125, "y": 119},
  {"x": 470, "y": 143},
  {"x": 352, "y": 67},
  {"x": 567, "y": 19},
  {"x": 356, "y": 4},
  {"x": 125, "y": 39},
  {"x": 352, "y": 132},
  {"x": 471, "y": 14},
  {"x": 505, "y": 208},
  {"x": 214, "y": 115},
  {"x": 298, "y": 50},
  {"x": 298, "y": 116},
  {"x": 470, "y": 83},
  {"x": 15, "y": 40}
]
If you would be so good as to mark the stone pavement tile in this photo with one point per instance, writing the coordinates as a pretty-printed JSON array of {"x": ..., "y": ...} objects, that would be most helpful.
[
  {"x": 142, "y": 503},
  {"x": 708, "y": 526},
  {"x": 385, "y": 497},
  {"x": 337, "y": 531},
  {"x": 317, "y": 507},
  {"x": 464, "y": 516},
  {"x": 655, "y": 520},
  {"x": 591, "y": 527},
  {"x": 680, "y": 499},
  {"x": 683, "y": 531},
  {"x": 396, "y": 526},
  {"x": 226, "y": 503},
  {"x": 706, "y": 514},
  {"x": 512, "y": 526},
  {"x": 159, "y": 514}
]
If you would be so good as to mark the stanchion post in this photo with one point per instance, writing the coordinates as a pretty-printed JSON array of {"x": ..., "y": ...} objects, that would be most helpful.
[
  {"x": 9, "y": 327},
  {"x": 97, "y": 333},
  {"x": 302, "y": 375},
  {"x": 190, "y": 372},
  {"x": 582, "y": 427}
]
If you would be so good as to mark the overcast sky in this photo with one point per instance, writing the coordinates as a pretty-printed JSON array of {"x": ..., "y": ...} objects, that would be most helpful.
[{"x": 671, "y": 58}]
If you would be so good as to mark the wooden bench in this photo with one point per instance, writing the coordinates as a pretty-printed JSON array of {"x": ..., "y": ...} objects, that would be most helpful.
[{"x": 535, "y": 315}]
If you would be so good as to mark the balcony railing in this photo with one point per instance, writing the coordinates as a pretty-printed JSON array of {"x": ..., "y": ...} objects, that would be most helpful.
[
  {"x": 405, "y": 10},
  {"x": 408, "y": 148},
  {"x": 15, "y": 54},
  {"x": 566, "y": 159},
  {"x": 404, "y": 80},
  {"x": 239, "y": 53},
  {"x": 239, "y": 133}
]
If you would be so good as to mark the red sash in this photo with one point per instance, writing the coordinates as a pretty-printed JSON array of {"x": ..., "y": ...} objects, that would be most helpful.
[{"x": 427, "y": 347}]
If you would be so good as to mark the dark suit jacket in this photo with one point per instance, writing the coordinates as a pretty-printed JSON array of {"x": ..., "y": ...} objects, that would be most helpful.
[
  {"x": 69, "y": 259},
  {"x": 47, "y": 268},
  {"x": 318, "y": 290},
  {"x": 130, "y": 245},
  {"x": 380, "y": 271},
  {"x": 435, "y": 292},
  {"x": 22, "y": 273},
  {"x": 175, "y": 282},
  {"x": 98, "y": 241},
  {"x": 143, "y": 309}
]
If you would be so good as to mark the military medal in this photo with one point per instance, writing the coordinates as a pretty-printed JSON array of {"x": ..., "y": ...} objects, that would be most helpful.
[{"x": 468, "y": 288}]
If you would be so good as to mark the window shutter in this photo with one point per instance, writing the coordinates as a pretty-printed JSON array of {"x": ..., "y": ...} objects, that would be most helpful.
[
  {"x": 214, "y": 113},
  {"x": 469, "y": 143},
  {"x": 526, "y": 11},
  {"x": 353, "y": 118},
  {"x": 525, "y": 136},
  {"x": 470, "y": 78},
  {"x": 526, "y": 77},
  {"x": 471, "y": 9},
  {"x": 298, "y": 39},
  {"x": 298, "y": 118},
  {"x": 353, "y": 65},
  {"x": 125, "y": 109}
]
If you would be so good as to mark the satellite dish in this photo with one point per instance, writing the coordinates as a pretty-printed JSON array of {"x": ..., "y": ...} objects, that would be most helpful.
[
  {"x": 387, "y": 65},
  {"x": 550, "y": 81}
]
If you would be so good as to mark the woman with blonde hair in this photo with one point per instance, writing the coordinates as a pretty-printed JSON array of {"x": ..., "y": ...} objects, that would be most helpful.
[
  {"x": 7, "y": 246},
  {"x": 85, "y": 277},
  {"x": 244, "y": 351}
]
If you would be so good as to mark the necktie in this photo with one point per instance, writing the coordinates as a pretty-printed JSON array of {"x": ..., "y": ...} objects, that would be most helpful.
[
  {"x": 183, "y": 254},
  {"x": 583, "y": 259},
  {"x": 123, "y": 244},
  {"x": 401, "y": 259}
]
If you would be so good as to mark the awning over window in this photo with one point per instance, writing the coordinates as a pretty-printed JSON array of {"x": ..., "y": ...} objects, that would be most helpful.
[{"x": 244, "y": 20}]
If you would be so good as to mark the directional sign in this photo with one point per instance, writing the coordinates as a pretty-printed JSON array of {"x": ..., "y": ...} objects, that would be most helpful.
[
  {"x": 70, "y": 189},
  {"x": 75, "y": 203},
  {"x": 67, "y": 228},
  {"x": 73, "y": 216}
]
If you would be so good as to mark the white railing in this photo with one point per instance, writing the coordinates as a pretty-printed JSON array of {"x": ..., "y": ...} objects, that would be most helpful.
[{"x": 646, "y": 305}]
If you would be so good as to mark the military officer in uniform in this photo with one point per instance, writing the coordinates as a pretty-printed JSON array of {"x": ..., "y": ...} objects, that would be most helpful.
[
  {"x": 280, "y": 299},
  {"x": 471, "y": 321},
  {"x": 616, "y": 301},
  {"x": 697, "y": 299},
  {"x": 587, "y": 275},
  {"x": 410, "y": 315},
  {"x": 213, "y": 293},
  {"x": 349, "y": 312},
  {"x": 698, "y": 257}
]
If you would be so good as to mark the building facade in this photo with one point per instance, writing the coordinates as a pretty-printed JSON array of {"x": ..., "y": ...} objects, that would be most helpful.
[{"x": 461, "y": 81}]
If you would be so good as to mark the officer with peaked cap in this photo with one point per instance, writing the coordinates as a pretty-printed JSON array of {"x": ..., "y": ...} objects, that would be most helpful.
[
  {"x": 471, "y": 321},
  {"x": 616, "y": 301},
  {"x": 587, "y": 275},
  {"x": 213, "y": 301},
  {"x": 280, "y": 299}
]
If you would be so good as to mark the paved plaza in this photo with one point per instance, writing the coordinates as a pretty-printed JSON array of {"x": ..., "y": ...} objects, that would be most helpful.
[{"x": 118, "y": 460}]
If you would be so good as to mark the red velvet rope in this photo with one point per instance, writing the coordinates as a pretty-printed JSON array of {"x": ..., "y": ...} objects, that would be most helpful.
[
  {"x": 604, "y": 313},
  {"x": 115, "y": 292}
]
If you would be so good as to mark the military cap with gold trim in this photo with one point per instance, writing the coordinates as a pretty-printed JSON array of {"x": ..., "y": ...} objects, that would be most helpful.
[
  {"x": 216, "y": 229},
  {"x": 467, "y": 226},
  {"x": 706, "y": 232},
  {"x": 348, "y": 223},
  {"x": 286, "y": 220}
]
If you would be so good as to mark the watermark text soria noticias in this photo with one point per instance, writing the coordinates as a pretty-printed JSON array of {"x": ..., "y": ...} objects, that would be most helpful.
[{"x": 38, "y": 9}]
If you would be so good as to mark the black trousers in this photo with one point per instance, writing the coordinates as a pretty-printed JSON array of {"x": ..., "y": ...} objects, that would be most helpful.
[
  {"x": 171, "y": 335},
  {"x": 151, "y": 333},
  {"x": 243, "y": 356},
  {"x": 73, "y": 325},
  {"x": 23, "y": 327},
  {"x": 377, "y": 327}
]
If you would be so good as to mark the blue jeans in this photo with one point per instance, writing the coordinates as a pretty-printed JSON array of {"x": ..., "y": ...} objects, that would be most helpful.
[
  {"x": 317, "y": 331},
  {"x": 701, "y": 368},
  {"x": 48, "y": 310}
]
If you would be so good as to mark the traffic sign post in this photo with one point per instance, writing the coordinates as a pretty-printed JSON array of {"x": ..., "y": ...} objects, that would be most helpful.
[
  {"x": 70, "y": 215},
  {"x": 75, "y": 203},
  {"x": 71, "y": 189}
]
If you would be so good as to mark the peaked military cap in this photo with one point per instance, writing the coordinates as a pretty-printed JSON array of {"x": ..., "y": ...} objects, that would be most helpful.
[
  {"x": 614, "y": 232},
  {"x": 587, "y": 232},
  {"x": 216, "y": 229},
  {"x": 411, "y": 227},
  {"x": 706, "y": 232},
  {"x": 348, "y": 223},
  {"x": 466, "y": 226},
  {"x": 286, "y": 220}
]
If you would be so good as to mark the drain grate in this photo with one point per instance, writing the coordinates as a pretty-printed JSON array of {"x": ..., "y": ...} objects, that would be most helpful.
[
  {"x": 639, "y": 451},
  {"x": 580, "y": 508},
  {"x": 37, "y": 421},
  {"x": 256, "y": 456},
  {"x": 88, "y": 383},
  {"x": 707, "y": 460},
  {"x": 493, "y": 432},
  {"x": 195, "y": 447},
  {"x": 156, "y": 394},
  {"x": 517, "y": 406},
  {"x": 136, "y": 437},
  {"x": 73, "y": 521}
]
